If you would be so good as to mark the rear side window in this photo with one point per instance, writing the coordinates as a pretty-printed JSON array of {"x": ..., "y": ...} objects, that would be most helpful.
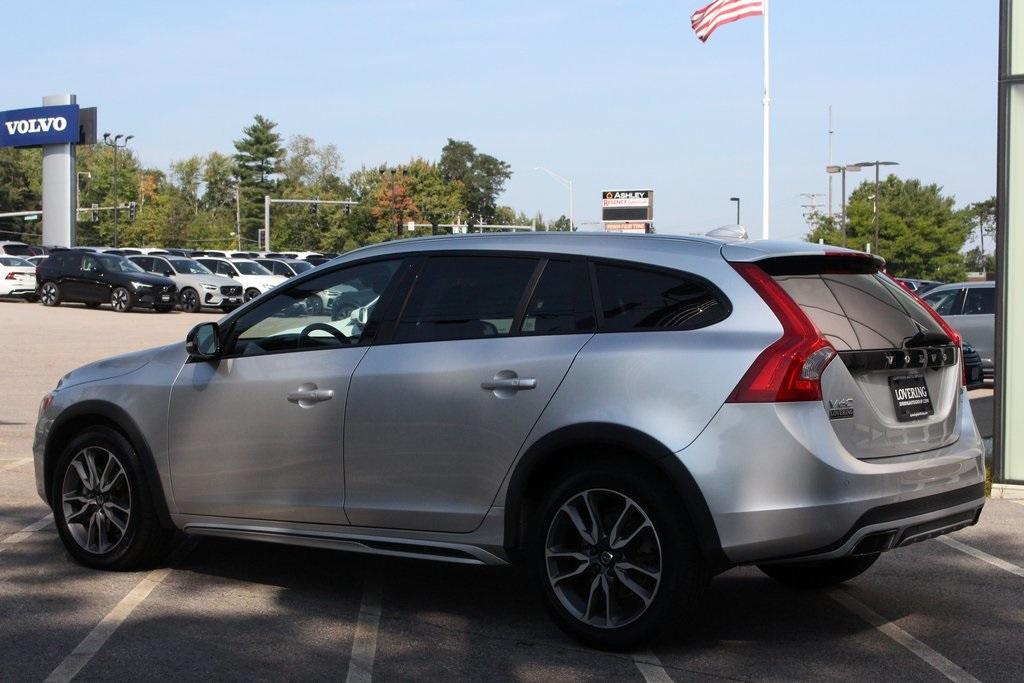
[
  {"x": 635, "y": 298},
  {"x": 464, "y": 297},
  {"x": 562, "y": 302},
  {"x": 944, "y": 302},
  {"x": 855, "y": 308},
  {"x": 980, "y": 300}
]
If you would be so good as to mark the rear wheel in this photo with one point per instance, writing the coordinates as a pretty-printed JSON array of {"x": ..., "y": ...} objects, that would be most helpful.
[
  {"x": 102, "y": 505},
  {"x": 189, "y": 299},
  {"x": 616, "y": 561},
  {"x": 121, "y": 300},
  {"x": 49, "y": 294},
  {"x": 819, "y": 574}
]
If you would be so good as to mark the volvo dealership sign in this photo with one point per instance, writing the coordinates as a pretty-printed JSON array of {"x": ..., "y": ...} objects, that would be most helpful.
[{"x": 40, "y": 126}]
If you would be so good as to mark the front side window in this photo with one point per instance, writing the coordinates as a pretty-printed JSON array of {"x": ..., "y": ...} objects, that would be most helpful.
[
  {"x": 980, "y": 301},
  {"x": 335, "y": 310},
  {"x": 943, "y": 302},
  {"x": 143, "y": 262},
  {"x": 634, "y": 298},
  {"x": 464, "y": 297}
]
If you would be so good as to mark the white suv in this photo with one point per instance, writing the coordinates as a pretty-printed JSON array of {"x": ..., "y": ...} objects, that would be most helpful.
[{"x": 255, "y": 278}]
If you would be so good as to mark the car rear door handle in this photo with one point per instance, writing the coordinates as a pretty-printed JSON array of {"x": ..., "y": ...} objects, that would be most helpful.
[
  {"x": 310, "y": 396},
  {"x": 513, "y": 383}
]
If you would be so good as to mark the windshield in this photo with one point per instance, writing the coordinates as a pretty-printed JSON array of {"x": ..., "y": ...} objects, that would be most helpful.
[
  {"x": 301, "y": 266},
  {"x": 118, "y": 264},
  {"x": 15, "y": 261},
  {"x": 187, "y": 266},
  {"x": 250, "y": 268}
]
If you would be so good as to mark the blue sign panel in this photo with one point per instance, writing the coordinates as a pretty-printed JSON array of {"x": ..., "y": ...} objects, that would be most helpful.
[{"x": 39, "y": 126}]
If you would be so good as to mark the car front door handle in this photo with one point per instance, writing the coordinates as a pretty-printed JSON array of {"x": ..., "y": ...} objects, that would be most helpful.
[
  {"x": 510, "y": 383},
  {"x": 310, "y": 396}
]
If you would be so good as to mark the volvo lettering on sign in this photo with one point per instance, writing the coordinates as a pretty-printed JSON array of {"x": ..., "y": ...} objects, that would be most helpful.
[{"x": 40, "y": 126}]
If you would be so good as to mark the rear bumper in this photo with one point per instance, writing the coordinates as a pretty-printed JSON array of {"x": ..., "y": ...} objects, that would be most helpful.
[{"x": 780, "y": 486}]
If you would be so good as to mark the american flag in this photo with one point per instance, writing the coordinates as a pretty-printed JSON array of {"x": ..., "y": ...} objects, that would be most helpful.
[{"x": 707, "y": 19}]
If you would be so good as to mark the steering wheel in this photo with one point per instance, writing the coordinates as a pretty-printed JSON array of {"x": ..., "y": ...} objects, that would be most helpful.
[{"x": 323, "y": 327}]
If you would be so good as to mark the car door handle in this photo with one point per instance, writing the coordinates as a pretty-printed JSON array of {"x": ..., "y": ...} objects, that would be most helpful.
[
  {"x": 311, "y": 395},
  {"x": 513, "y": 383}
]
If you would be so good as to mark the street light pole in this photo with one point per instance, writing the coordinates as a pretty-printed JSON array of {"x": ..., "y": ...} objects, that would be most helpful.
[
  {"x": 842, "y": 170},
  {"x": 112, "y": 142},
  {"x": 876, "y": 164},
  {"x": 566, "y": 182},
  {"x": 737, "y": 200}
]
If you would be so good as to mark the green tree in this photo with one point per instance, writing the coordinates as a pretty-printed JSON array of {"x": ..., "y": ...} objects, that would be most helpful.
[
  {"x": 437, "y": 200},
  {"x": 920, "y": 232},
  {"x": 18, "y": 192},
  {"x": 482, "y": 177},
  {"x": 218, "y": 176},
  {"x": 258, "y": 156}
]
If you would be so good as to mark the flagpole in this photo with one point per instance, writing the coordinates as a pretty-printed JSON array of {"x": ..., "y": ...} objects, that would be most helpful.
[{"x": 765, "y": 168}]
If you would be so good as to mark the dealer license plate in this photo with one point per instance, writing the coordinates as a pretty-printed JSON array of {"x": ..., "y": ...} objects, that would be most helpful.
[{"x": 910, "y": 397}]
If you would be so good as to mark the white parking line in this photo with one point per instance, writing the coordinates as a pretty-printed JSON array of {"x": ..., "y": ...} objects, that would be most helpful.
[
  {"x": 944, "y": 666},
  {"x": 19, "y": 536},
  {"x": 983, "y": 556},
  {"x": 651, "y": 667},
  {"x": 15, "y": 463},
  {"x": 364, "y": 644},
  {"x": 100, "y": 633}
]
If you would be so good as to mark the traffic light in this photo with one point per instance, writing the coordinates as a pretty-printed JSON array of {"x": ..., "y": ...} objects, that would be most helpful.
[
  {"x": 132, "y": 210},
  {"x": 95, "y": 213}
]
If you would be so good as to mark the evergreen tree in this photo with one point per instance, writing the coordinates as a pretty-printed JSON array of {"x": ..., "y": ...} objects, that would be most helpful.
[{"x": 258, "y": 157}]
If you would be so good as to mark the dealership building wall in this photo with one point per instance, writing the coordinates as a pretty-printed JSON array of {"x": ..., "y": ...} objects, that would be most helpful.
[{"x": 1009, "y": 388}]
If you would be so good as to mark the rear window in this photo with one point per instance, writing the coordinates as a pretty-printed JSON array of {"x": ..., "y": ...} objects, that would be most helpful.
[
  {"x": 853, "y": 305},
  {"x": 17, "y": 249}
]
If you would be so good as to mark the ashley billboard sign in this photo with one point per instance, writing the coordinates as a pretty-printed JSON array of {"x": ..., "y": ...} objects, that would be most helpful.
[
  {"x": 627, "y": 205},
  {"x": 40, "y": 126}
]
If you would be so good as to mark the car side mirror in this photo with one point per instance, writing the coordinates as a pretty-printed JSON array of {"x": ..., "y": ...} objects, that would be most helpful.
[
  {"x": 168, "y": 273},
  {"x": 203, "y": 341}
]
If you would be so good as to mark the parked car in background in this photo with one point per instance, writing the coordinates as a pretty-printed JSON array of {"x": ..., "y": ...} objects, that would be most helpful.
[
  {"x": 94, "y": 279},
  {"x": 17, "y": 278},
  {"x": 12, "y": 248},
  {"x": 919, "y": 287},
  {"x": 254, "y": 278},
  {"x": 197, "y": 286},
  {"x": 970, "y": 308}
]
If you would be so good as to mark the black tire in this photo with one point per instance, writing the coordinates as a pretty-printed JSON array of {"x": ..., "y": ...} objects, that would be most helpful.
[
  {"x": 250, "y": 294},
  {"x": 819, "y": 574},
  {"x": 121, "y": 300},
  {"x": 144, "y": 541},
  {"x": 49, "y": 294},
  {"x": 189, "y": 300},
  {"x": 673, "y": 595}
]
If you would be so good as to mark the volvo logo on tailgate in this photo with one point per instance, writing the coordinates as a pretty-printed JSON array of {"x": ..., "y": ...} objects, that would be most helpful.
[{"x": 840, "y": 408}]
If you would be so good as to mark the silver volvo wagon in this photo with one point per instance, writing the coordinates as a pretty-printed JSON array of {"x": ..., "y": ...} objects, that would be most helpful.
[{"x": 627, "y": 416}]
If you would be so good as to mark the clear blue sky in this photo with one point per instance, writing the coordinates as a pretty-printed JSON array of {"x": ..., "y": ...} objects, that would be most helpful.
[{"x": 613, "y": 94}]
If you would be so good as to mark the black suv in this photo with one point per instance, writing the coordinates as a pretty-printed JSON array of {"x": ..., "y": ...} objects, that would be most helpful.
[{"x": 94, "y": 279}]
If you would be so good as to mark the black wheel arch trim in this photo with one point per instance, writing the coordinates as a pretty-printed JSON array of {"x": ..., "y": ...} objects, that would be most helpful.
[
  {"x": 112, "y": 414},
  {"x": 610, "y": 435}
]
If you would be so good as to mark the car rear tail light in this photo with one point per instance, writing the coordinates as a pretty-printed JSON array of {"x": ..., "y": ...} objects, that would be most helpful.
[
  {"x": 11, "y": 276},
  {"x": 953, "y": 335},
  {"x": 790, "y": 369}
]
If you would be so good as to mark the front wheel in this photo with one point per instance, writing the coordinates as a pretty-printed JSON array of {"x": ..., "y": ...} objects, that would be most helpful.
[
  {"x": 616, "y": 559},
  {"x": 819, "y": 574},
  {"x": 251, "y": 294},
  {"x": 49, "y": 294},
  {"x": 102, "y": 506},
  {"x": 121, "y": 300}
]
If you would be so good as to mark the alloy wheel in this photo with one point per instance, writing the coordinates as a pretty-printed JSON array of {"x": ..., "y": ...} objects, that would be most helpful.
[
  {"x": 96, "y": 499},
  {"x": 49, "y": 294},
  {"x": 603, "y": 558},
  {"x": 119, "y": 299},
  {"x": 190, "y": 301}
]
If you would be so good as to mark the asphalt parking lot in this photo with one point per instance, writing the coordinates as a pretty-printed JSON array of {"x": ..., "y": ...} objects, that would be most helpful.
[{"x": 950, "y": 608}]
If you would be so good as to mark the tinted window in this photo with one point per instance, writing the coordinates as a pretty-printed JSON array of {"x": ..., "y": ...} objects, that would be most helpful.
[
  {"x": 17, "y": 249},
  {"x": 858, "y": 310},
  {"x": 980, "y": 300},
  {"x": 143, "y": 262},
  {"x": 341, "y": 305},
  {"x": 562, "y": 301},
  {"x": 161, "y": 266},
  {"x": 943, "y": 302},
  {"x": 464, "y": 297},
  {"x": 641, "y": 299}
]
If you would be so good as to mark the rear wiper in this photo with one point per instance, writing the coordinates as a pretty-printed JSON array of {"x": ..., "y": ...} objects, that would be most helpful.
[{"x": 922, "y": 338}]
